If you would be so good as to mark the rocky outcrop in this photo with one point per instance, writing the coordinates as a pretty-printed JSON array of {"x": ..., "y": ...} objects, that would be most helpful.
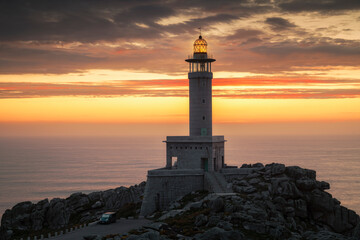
[
  {"x": 27, "y": 217},
  {"x": 294, "y": 194},
  {"x": 271, "y": 202},
  {"x": 268, "y": 202}
]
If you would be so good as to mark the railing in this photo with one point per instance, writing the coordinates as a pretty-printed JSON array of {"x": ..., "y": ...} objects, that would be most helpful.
[
  {"x": 57, "y": 233},
  {"x": 200, "y": 56}
]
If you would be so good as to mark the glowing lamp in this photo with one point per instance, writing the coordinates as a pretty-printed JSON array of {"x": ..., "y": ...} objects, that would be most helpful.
[{"x": 200, "y": 45}]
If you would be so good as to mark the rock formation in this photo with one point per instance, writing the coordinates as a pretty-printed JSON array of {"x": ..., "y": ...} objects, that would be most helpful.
[
  {"x": 271, "y": 202},
  {"x": 27, "y": 217}
]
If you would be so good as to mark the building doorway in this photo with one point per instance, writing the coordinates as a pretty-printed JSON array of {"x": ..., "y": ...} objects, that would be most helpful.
[
  {"x": 174, "y": 162},
  {"x": 205, "y": 164}
]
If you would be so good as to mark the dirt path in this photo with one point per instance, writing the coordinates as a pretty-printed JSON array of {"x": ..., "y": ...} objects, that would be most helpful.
[{"x": 121, "y": 226}]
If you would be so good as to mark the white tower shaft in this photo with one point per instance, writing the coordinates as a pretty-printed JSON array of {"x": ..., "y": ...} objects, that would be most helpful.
[{"x": 200, "y": 92}]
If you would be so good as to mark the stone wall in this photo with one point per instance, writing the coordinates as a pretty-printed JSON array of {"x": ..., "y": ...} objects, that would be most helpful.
[
  {"x": 231, "y": 173},
  {"x": 164, "y": 186},
  {"x": 192, "y": 151},
  {"x": 189, "y": 154},
  {"x": 218, "y": 156}
]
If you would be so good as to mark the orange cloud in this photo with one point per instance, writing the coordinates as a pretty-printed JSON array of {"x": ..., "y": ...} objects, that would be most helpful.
[{"x": 264, "y": 88}]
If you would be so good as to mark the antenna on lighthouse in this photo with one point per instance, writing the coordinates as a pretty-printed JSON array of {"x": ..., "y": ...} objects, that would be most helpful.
[{"x": 200, "y": 30}]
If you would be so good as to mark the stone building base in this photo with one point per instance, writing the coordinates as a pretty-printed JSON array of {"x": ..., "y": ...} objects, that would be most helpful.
[{"x": 164, "y": 186}]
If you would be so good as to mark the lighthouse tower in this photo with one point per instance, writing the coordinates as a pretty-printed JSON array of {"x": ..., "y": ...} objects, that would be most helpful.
[
  {"x": 199, "y": 150},
  {"x": 193, "y": 162},
  {"x": 200, "y": 89}
]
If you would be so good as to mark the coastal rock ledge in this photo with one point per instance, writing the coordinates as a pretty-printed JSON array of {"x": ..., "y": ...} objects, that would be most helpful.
[
  {"x": 26, "y": 218},
  {"x": 268, "y": 202}
]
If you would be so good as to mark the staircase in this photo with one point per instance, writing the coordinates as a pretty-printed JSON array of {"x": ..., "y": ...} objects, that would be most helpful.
[{"x": 216, "y": 182}]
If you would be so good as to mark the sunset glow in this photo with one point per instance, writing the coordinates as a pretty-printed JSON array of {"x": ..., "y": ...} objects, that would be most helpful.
[{"x": 276, "y": 62}]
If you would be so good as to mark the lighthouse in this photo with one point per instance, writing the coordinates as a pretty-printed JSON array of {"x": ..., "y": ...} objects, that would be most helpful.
[
  {"x": 199, "y": 150},
  {"x": 200, "y": 90},
  {"x": 193, "y": 162}
]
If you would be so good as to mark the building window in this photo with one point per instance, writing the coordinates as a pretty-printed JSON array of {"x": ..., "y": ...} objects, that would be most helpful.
[
  {"x": 170, "y": 147},
  {"x": 195, "y": 147},
  {"x": 203, "y": 117},
  {"x": 203, "y": 101},
  {"x": 185, "y": 147},
  {"x": 203, "y": 132},
  {"x": 176, "y": 147},
  {"x": 200, "y": 147}
]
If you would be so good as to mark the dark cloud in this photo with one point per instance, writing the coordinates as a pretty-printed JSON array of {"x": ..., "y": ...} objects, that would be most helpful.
[
  {"x": 244, "y": 34},
  {"x": 104, "y": 34},
  {"x": 219, "y": 18},
  {"x": 243, "y": 37},
  {"x": 318, "y": 5},
  {"x": 272, "y": 57},
  {"x": 17, "y": 59},
  {"x": 330, "y": 49},
  {"x": 240, "y": 7},
  {"x": 108, "y": 20},
  {"x": 279, "y": 24},
  {"x": 83, "y": 21},
  {"x": 191, "y": 26},
  {"x": 147, "y": 14},
  {"x": 25, "y": 60}
]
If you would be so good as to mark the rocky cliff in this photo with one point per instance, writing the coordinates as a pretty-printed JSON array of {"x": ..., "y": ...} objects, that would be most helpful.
[
  {"x": 271, "y": 202},
  {"x": 27, "y": 217}
]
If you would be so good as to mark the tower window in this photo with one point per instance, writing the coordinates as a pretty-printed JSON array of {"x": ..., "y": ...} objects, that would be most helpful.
[
  {"x": 203, "y": 101},
  {"x": 203, "y": 117},
  {"x": 203, "y": 132}
]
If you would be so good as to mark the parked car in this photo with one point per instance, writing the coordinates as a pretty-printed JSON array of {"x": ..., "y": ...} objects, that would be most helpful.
[{"x": 107, "y": 218}]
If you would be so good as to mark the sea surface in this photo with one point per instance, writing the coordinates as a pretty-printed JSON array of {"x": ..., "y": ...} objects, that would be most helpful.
[{"x": 34, "y": 168}]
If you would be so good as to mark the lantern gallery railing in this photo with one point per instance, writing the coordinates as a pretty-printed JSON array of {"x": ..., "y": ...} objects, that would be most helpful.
[
  {"x": 200, "y": 62},
  {"x": 200, "y": 56}
]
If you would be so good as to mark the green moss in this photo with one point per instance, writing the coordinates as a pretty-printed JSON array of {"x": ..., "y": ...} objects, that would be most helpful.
[
  {"x": 184, "y": 224},
  {"x": 136, "y": 232},
  {"x": 128, "y": 210},
  {"x": 192, "y": 197}
]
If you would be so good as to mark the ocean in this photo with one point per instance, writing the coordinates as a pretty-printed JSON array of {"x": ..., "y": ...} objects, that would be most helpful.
[{"x": 34, "y": 168}]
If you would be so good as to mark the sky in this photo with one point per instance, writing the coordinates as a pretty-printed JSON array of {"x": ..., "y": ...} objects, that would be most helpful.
[{"x": 122, "y": 62}]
